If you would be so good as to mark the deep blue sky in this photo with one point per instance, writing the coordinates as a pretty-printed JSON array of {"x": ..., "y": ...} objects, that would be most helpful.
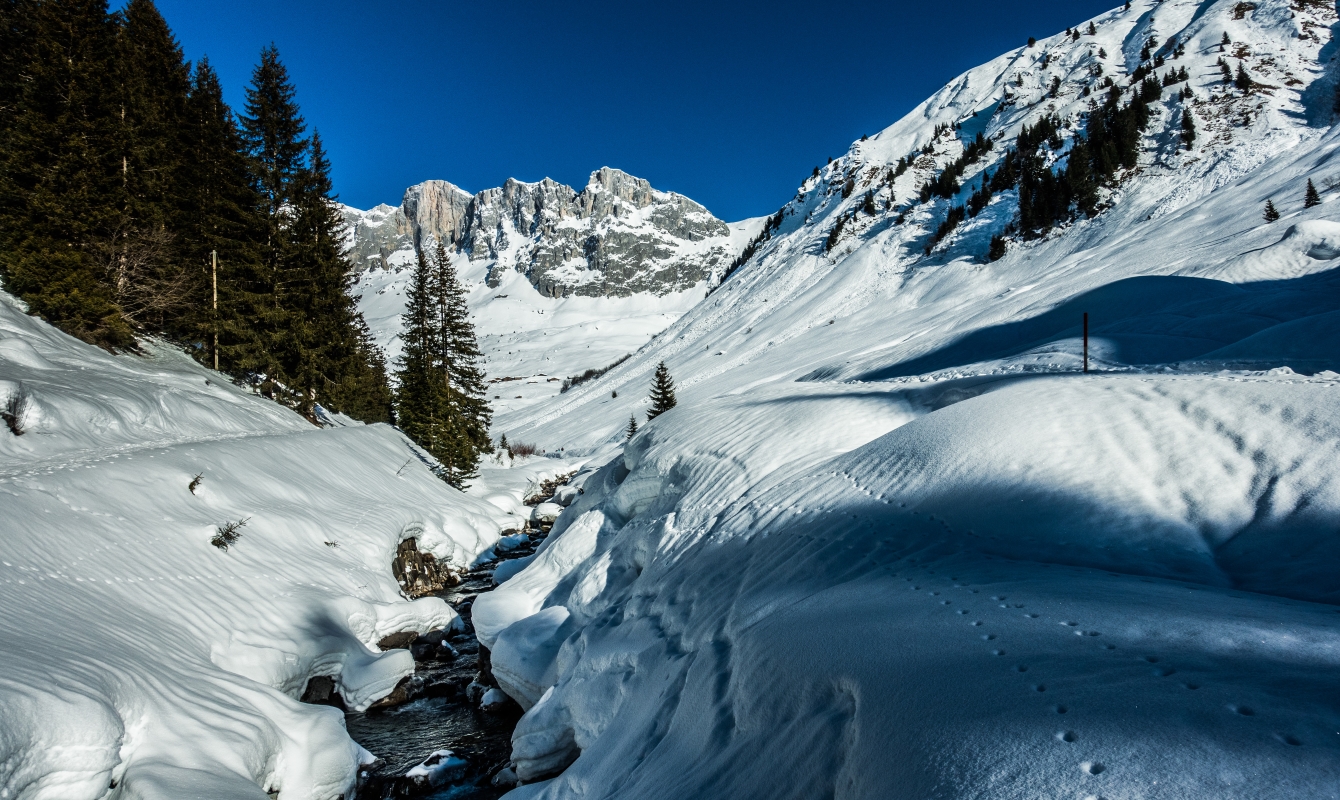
[{"x": 730, "y": 103}]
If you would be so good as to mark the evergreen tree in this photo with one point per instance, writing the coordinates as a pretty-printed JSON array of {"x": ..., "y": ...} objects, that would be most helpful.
[
  {"x": 998, "y": 249},
  {"x": 1312, "y": 197},
  {"x": 1224, "y": 42},
  {"x": 150, "y": 282},
  {"x": 631, "y": 430},
  {"x": 869, "y": 205},
  {"x": 460, "y": 355},
  {"x": 341, "y": 367},
  {"x": 272, "y": 132},
  {"x": 1243, "y": 81},
  {"x": 1271, "y": 214},
  {"x": 662, "y": 392},
  {"x": 1093, "y": 31},
  {"x": 221, "y": 214},
  {"x": 1188, "y": 129},
  {"x": 440, "y": 400},
  {"x": 60, "y": 170}
]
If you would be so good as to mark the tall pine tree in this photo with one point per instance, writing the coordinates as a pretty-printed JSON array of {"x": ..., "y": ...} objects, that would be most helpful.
[
  {"x": 221, "y": 215},
  {"x": 440, "y": 400},
  {"x": 60, "y": 170}
]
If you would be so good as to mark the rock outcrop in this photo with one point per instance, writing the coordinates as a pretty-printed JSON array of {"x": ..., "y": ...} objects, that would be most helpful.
[{"x": 616, "y": 237}]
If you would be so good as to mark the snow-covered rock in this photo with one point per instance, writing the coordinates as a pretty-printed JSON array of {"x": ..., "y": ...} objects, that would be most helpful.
[{"x": 439, "y": 769}]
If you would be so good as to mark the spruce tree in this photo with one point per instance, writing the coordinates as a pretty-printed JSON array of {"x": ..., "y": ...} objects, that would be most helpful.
[
  {"x": 1311, "y": 197},
  {"x": 1271, "y": 214},
  {"x": 1242, "y": 80},
  {"x": 631, "y": 430},
  {"x": 60, "y": 170},
  {"x": 662, "y": 392},
  {"x": 460, "y": 356},
  {"x": 150, "y": 282},
  {"x": 221, "y": 214},
  {"x": 273, "y": 133},
  {"x": 338, "y": 365},
  {"x": 440, "y": 397},
  {"x": 1093, "y": 30},
  {"x": 997, "y": 251},
  {"x": 1188, "y": 129}
]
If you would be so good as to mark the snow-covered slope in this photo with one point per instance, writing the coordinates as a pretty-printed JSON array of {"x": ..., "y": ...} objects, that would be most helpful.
[
  {"x": 893, "y": 543},
  {"x": 560, "y": 281},
  {"x": 139, "y": 661}
]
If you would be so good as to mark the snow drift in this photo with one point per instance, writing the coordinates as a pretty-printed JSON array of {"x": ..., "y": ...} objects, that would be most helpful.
[
  {"x": 894, "y": 543},
  {"x": 140, "y": 661}
]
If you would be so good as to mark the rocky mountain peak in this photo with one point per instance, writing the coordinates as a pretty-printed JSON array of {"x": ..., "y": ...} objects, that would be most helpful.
[{"x": 617, "y": 237}]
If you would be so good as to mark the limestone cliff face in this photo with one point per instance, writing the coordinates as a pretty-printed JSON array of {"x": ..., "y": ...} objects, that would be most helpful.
[{"x": 616, "y": 237}]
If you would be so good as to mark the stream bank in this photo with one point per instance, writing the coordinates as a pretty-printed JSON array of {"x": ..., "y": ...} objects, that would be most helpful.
[{"x": 439, "y": 707}]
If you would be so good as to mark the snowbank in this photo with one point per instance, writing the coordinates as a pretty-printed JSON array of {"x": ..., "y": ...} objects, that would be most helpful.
[
  {"x": 140, "y": 657},
  {"x": 893, "y": 544}
]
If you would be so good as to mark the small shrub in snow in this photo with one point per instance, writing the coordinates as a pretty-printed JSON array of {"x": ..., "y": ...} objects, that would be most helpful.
[
  {"x": 15, "y": 409},
  {"x": 631, "y": 430},
  {"x": 522, "y": 449},
  {"x": 228, "y": 534},
  {"x": 195, "y": 482},
  {"x": 1271, "y": 214},
  {"x": 590, "y": 375}
]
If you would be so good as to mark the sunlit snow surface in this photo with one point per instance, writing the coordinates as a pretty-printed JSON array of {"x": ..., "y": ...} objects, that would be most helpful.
[
  {"x": 135, "y": 654},
  {"x": 894, "y": 544}
]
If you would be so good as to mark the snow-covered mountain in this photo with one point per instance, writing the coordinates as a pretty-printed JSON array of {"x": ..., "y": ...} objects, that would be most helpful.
[
  {"x": 560, "y": 281},
  {"x": 894, "y": 543}
]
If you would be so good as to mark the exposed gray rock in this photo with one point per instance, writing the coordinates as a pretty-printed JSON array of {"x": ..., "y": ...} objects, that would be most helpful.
[{"x": 616, "y": 237}]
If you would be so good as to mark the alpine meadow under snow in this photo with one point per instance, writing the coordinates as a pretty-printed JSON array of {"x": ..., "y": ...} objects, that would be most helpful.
[{"x": 892, "y": 542}]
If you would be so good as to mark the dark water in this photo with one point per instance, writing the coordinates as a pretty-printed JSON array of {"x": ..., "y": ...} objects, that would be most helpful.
[{"x": 442, "y": 718}]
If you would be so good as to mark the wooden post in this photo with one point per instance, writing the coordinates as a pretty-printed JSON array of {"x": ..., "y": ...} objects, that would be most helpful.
[
  {"x": 1086, "y": 341},
  {"x": 214, "y": 272}
]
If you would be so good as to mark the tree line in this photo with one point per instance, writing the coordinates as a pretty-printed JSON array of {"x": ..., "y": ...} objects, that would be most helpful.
[{"x": 125, "y": 178}]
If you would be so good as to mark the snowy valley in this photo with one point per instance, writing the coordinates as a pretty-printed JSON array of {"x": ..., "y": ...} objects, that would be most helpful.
[
  {"x": 560, "y": 281},
  {"x": 894, "y": 541}
]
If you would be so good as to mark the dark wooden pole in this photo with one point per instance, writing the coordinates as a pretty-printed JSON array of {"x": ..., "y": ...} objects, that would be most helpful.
[{"x": 1086, "y": 341}]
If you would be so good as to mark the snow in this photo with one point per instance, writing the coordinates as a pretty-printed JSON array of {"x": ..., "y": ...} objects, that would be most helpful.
[
  {"x": 139, "y": 656},
  {"x": 439, "y": 768},
  {"x": 530, "y": 341},
  {"x": 893, "y": 542}
]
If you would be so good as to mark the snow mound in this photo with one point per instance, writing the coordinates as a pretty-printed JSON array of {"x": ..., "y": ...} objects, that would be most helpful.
[
  {"x": 1307, "y": 248},
  {"x": 141, "y": 657}
]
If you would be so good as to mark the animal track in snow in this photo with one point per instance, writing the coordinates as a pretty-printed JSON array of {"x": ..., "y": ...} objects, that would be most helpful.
[
  {"x": 1067, "y": 736},
  {"x": 1093, "y": 767},
  {"x": 1292, "y": 741},
  {"x": 1243, "y": 710}
]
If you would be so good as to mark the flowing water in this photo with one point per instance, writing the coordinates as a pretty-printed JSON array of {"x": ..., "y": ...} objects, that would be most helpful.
[{"x": 443, "y": 717}]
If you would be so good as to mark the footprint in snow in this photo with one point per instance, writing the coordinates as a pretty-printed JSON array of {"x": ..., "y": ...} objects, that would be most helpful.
[
  {"x": 1066, "y": 736},
  {"x": 1093, "y": 767}
]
